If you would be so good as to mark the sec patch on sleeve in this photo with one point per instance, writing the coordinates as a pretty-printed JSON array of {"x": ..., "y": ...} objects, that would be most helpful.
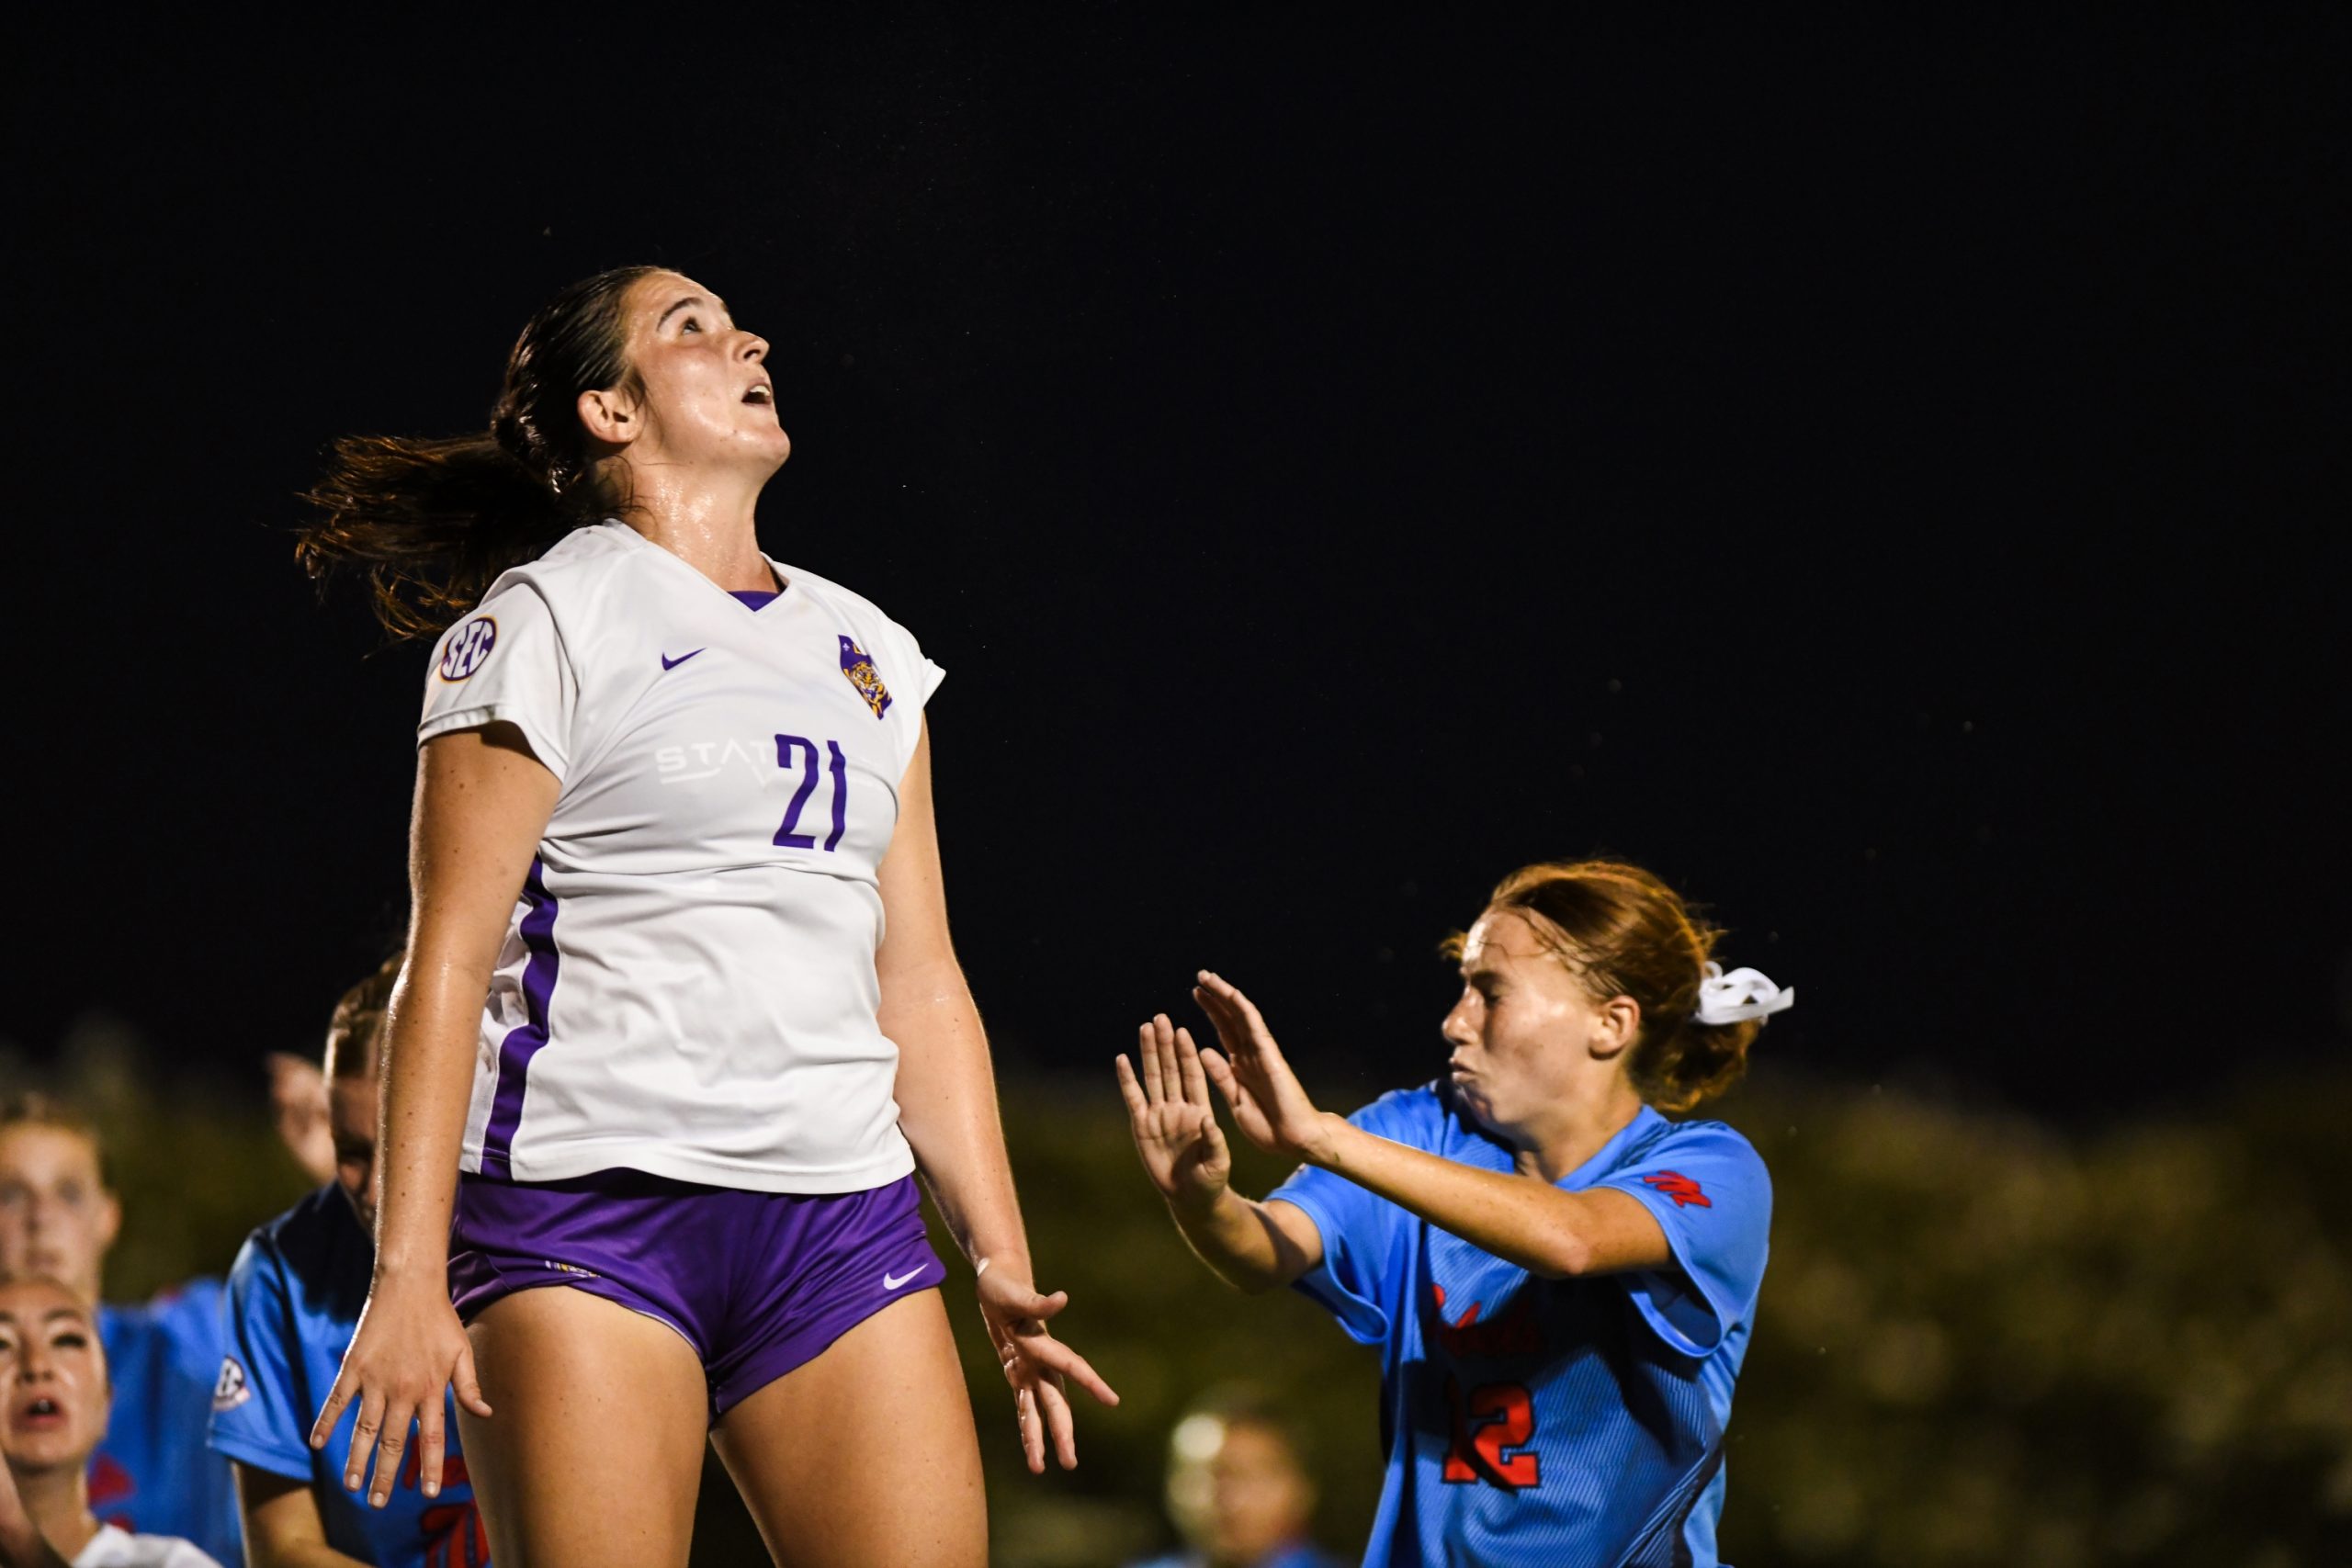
[
  {"x": 468, "y": 646},
  {"x": 231, "y": 1390}
]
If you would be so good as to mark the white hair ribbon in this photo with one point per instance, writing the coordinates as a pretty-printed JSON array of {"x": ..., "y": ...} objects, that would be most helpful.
[{"x": 1742, "y": 993}]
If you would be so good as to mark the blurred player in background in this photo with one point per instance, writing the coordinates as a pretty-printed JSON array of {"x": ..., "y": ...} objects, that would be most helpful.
[
  {"x": 58, "y": 1218},
  {"x": 1562, "y": 1282},
  {"x": 54, "y": 1375},
  {"x": 680, "y": 1000},
  {"x": 1238, "y": 1488},
  {"x": 297, "y": 1108},
  {"x": 294, "y": 1299}
]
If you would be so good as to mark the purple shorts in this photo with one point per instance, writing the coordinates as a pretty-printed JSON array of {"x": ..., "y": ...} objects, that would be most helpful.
[{"x": 757, "y": 1282}]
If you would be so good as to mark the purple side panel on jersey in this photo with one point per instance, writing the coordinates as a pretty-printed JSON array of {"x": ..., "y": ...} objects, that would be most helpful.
[
  {"x": 757, "y": 598},
  {"x": 522, "y": 1042}
]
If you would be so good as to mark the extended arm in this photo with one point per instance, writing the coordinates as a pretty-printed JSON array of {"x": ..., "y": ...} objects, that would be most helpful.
[
  {"x": 1254, "y": 1246},
  {"x": 283, "y": 1529},
  {"x": 1521, "y": 1219},
  {"x": 482, "y": 803},
  {"x": 1250, "y": 1245},
  {"x": 947, "y": 1109}
]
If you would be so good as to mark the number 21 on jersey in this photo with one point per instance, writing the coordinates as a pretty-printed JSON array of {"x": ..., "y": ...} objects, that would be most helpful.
[{"x": 797, "y": 750}]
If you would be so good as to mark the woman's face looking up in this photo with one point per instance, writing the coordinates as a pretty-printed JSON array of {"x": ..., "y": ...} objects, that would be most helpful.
[{"x": 707, "y": 399}]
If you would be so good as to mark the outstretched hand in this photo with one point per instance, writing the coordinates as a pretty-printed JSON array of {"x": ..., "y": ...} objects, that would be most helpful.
[
  {"x": 1269, "y": 1105},
  {"x": 1172, "y": 1117},
  {"x": 1036, "y": 1364}
]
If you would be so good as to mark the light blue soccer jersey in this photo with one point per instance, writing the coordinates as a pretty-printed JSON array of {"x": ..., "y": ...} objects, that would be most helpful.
[
  {"x": 294, "y": 1300},
  {"x": 154, "y": 1473},
  {"x": 1532, "y": 1420}
]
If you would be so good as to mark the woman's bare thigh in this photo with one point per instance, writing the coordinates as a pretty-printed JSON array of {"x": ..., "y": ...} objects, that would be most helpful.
[
  {"x": 866, "y": 1454},
  {"x": 593, "y": 1453}
]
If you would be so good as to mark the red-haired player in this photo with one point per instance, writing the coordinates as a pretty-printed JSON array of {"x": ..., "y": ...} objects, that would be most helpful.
[{"x": 1561, "y": 1281}]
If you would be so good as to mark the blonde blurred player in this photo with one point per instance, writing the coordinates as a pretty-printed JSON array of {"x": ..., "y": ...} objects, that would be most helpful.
[
  {"x": 53, "y": 1378},
  {"x": 59, "y": 1218}
]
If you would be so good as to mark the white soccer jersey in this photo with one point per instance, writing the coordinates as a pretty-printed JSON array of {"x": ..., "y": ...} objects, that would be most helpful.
[
  {"x": 688, "y": 987},
  {"x": 114, "y": 1547}
]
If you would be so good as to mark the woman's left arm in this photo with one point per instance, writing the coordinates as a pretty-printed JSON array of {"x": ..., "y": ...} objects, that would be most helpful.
[
  {"x": 947, "y": 1109},
  {"x": 1520, "y": 1219}
]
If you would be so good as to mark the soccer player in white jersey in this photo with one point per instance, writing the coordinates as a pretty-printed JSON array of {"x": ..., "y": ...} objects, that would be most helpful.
[
  {"x": 1560, "y": 1281},
  {"x": 679, "y": 1001}
]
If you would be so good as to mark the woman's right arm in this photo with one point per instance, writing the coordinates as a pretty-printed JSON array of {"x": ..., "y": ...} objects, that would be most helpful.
[
  {"x": 1250, "y": 1245},
  {"x": 283, "y": 1529},
  {"x": 483, "y": 804}
]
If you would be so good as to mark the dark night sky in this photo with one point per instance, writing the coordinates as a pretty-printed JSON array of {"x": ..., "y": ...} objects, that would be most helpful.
[{"x": 1891, "y": 482}]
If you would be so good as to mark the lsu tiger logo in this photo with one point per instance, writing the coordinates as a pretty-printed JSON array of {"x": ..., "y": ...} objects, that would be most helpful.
[{"x": 859, "y": 671}]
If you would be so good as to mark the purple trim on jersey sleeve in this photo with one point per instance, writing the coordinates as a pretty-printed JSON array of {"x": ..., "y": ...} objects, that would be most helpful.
[
  {"x": 757, "y": 598},
  {"x": 523, "y": 1041}
]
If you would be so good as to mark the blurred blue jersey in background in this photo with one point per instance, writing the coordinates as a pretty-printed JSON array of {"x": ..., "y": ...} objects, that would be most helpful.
[
  {"x": 294, "y": 1300},
  {"x": 153, "y": 1474}
]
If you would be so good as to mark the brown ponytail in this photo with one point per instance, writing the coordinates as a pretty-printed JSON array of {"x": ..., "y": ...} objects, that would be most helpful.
[
  {"x": 431, "y": 522},
  {"x": 1625, "y": 933}
]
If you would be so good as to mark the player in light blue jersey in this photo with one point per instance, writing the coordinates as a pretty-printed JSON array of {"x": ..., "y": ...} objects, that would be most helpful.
[
  {"x": 59, "y": 1218},
  {"x": 294, "y": 1299},
  {"x": 1561, "y": 1281}
]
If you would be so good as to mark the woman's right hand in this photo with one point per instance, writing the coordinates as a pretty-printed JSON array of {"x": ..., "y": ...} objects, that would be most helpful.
[
  {"x": 1173, "y": 1119},
  {"x": 408, "y": 1349}
]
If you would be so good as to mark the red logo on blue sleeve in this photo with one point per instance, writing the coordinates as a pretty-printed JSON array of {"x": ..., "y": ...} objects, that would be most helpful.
[{"x": 1681, "y": 1188}]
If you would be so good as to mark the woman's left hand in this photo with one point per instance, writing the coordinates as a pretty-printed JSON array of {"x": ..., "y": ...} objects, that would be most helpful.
[
  {"x": 1269, "y": 1105},
  {"x": 1036, "y": 1364}
]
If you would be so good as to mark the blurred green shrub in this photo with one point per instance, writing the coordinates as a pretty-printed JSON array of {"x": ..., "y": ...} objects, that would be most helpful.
[{"x": 1981, "y": 1340}]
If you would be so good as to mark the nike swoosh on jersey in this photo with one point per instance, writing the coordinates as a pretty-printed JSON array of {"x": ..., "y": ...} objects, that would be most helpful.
[
  {"x": 669, "y": 663},
  {"x": 892, "y": 1282}
]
